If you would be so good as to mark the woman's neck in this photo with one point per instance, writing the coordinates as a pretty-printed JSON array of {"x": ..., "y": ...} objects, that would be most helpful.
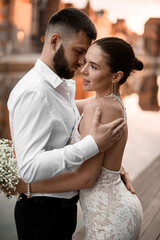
[{"x": 106, "y": 93}]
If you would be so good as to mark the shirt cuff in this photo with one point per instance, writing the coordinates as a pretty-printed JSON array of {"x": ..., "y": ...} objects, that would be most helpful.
[{"x": 88, "y": 147}]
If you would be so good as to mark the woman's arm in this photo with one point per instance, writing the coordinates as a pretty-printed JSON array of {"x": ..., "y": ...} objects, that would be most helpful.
[
  {"x": 83, "y": 177},
  {"x": 70, "y": 181}
]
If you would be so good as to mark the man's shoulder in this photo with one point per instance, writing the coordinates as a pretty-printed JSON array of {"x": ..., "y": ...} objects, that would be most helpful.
[{"x": 30, "y": 82}]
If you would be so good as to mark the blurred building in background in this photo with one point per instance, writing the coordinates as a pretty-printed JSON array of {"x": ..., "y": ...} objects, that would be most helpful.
[
  {"x": 149, "y": 84},
  {"x": 22, "y": 29},
  {"x": 4, "y": 26},
  {"x": 152, "y": 37},
  {"x": 23, "y": 23}
]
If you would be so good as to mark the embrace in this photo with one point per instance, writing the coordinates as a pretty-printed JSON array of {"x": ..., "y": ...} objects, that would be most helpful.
[{"x": 63, "y": 145}]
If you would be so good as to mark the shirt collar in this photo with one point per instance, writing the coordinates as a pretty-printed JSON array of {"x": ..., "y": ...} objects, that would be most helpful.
[
  {"x": 54, "y": 79},
  {"x": 48, "y": 74}
]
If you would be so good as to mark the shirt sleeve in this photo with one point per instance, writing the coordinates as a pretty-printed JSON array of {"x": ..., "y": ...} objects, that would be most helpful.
[{"x": 32, "y": 125}]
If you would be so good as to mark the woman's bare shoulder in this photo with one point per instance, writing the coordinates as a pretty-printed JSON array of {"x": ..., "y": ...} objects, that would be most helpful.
[{"x": 110, "y": 108}]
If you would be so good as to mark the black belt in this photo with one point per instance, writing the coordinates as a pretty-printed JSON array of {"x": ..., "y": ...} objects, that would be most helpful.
[{"x": 52, "y": 201}]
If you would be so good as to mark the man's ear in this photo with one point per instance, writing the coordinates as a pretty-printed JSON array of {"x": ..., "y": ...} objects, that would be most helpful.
[
  {"x": 118, "y": 76},
  {"x": 55, "y": 41}
]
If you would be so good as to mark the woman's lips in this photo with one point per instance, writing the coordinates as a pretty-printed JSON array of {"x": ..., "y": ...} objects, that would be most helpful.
[{"x": 85, "y": 81}]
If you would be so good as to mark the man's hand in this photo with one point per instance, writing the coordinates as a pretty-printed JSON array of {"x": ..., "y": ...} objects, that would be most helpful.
[
  {"x": 105, "y": 135},
  {"x": 125, "y": 178}
]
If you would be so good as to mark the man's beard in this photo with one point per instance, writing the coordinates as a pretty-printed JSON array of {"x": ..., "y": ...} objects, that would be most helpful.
[{"x": 61, "y": 65}]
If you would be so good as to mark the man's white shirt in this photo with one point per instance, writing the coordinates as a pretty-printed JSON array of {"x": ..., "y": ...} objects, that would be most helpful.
[{"x": 42, "y": 115}]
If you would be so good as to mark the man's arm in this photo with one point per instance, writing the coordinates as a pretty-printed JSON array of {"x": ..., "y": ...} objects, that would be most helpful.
[
  {"x": 33, "y": 123},
  {"x": 83, "y": 177},
  {"x": 32, "y": 126}
]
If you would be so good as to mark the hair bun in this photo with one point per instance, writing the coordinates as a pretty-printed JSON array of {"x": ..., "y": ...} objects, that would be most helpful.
[{"x": 137, "y": 64}]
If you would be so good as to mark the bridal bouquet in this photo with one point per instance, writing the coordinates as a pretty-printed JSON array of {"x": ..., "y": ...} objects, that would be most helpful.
[{"x": 8, "y": 168}]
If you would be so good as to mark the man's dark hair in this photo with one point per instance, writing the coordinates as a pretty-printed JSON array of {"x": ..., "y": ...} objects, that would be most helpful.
[{"x": 72, "y": 20}]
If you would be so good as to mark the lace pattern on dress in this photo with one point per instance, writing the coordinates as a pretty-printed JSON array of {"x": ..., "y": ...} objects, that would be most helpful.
[{"x": 110, "y": 211}]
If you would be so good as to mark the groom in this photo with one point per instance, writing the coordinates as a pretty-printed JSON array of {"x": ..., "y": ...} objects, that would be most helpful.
[{"x": 42, "y": 115}]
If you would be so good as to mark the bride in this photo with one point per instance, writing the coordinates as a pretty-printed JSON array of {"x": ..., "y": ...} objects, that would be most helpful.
[{"x": 110, "y": 210}]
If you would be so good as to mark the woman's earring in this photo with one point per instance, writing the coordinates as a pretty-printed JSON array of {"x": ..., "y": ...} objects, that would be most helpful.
[{"x": 114, "y": 88}]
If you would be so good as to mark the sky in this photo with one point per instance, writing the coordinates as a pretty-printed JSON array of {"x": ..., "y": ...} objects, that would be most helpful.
[{"x": 135, "y": 12}]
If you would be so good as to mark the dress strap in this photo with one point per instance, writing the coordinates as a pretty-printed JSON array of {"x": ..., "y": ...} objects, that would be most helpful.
[{"x": 121, "y": 103}]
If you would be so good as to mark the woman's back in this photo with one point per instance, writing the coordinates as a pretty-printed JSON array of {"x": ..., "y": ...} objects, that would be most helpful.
[
  {"x": 110, "y": 210},
  {"x": 112, "y": 108}
]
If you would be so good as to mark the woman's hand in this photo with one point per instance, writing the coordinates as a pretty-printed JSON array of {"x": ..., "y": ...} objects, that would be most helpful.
[
  {"x": 126, "y": 179},
  {"x": 8, "y": 192},
  {"x": 21, "y": 187}
]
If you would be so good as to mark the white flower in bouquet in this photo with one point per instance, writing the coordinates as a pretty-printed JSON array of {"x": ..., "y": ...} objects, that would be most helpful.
[{"x": 8, "y": 167}]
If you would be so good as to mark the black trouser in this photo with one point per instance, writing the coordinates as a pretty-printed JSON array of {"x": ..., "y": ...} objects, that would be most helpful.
[{"x": 45, "y": 218}]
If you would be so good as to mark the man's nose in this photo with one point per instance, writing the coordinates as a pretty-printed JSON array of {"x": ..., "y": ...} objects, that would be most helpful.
[{"x": 81, "y": 61}]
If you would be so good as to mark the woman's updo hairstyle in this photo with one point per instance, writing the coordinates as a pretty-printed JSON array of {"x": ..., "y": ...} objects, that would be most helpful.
[{"x": 119, "y": 56}]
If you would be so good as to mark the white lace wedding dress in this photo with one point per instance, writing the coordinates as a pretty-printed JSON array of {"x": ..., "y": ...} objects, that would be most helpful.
[{"x": 110, "y": 211}]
